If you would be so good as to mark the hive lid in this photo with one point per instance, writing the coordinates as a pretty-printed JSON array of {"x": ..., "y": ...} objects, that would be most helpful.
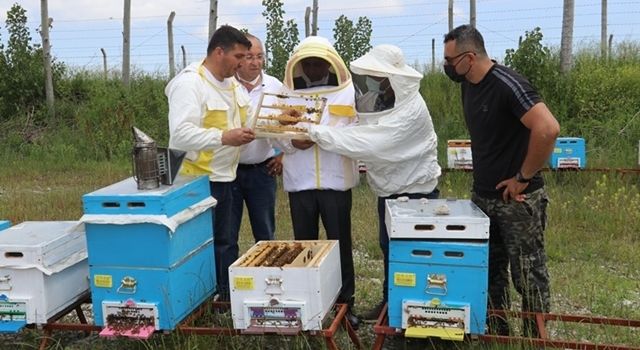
[
  {"x": 42, "y": 244},
  {"x": 419, "y": 208},
  {"x": 124, "y": 197},
  {"x": 435, "y": 219}
]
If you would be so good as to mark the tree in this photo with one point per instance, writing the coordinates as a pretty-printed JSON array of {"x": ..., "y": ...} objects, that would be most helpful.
[
  {"x": 21, "y": 67},
  {"x": 22, "y": 72},
  {"x": 281, "y": 39},
  {"x": 533, "y": 60},
  {"x": 351, "y": 41}
]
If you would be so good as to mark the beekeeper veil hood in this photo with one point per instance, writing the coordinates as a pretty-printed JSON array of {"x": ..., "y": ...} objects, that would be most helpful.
[
  {"x": 383, "y": 80},
  {"x": 316, "y": 51}
]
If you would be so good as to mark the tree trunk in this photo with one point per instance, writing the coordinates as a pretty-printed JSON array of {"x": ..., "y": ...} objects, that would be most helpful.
[
  {"x": 213, "y": 17},
  {"x": 450, "y": 11},
  {"x": 126, "y": 42},
  {"x": 603, "y": 30},
  {"x": 172, "y": 62},
  {"x": 314, "y": 22},
  {"x": 566, "y": 42},
  {"x": 307, "y": 25},
  {"x": 472, "y": 13},
  {"x": 46, "y": 50}
]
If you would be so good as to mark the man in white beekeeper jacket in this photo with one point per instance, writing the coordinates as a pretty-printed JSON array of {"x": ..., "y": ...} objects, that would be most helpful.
[
  {"x": 318, "y": 181},
  {"x": 394, "y": 138}
]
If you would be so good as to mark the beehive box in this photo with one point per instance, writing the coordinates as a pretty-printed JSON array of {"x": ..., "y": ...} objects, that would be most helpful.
[
  {"x": 284, "y": 286},
  {"x": 150, "y": 254},
  {"x": 4, "y": 224},
  {"x": 147, "y": 228},
  {"x": 43, "y": 269},
  {"x": 171, "y": 293},
  {"x": 435, "y": 278},
  {"x": 569, "y": 153},
  {"x": 459, "y": 154},
  {"x": 438, "y": 265}
]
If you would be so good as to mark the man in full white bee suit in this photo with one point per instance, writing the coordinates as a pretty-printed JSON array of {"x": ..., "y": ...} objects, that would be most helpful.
[
  {"x": 394, "y": 138},
  {"x": 319, "y": 182}
]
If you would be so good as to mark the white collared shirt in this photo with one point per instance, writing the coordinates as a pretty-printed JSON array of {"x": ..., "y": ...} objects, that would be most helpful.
[{"x": 259, "y": 150}]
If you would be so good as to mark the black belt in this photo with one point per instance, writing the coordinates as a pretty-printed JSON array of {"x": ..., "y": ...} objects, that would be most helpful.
[{"x": 249, "y": 166}]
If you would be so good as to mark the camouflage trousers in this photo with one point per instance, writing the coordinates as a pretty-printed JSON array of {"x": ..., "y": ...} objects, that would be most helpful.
[{"x": 516, "y": 244}]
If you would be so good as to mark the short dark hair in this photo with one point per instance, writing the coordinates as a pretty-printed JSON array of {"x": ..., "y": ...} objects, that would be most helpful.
[
  {"x": 226, "y": 37},
  {"x": 467, "y": 38}
]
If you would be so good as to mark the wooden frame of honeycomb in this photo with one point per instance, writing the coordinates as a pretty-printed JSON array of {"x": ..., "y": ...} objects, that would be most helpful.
[
  {"x": 288, "y": 116},
  {"x": 284, "y": 254}
]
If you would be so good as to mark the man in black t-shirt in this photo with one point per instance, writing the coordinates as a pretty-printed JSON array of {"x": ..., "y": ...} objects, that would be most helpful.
[{"x": 512, "y": 135}]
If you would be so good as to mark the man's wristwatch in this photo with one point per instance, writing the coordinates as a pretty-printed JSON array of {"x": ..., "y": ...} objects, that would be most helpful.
[{"x": 521, "y": 179}]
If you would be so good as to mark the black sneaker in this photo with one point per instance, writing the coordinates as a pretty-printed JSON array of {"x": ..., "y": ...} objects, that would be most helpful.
[{"x": 374, "y": 313}]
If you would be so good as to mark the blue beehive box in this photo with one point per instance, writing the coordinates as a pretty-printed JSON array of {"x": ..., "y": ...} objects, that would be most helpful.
[
  {"x": 147, "y": 228},
  {"x": 150, "y": 252},
  {"x": 170, "y": 294},
  {"x": 438, "y": 267},
  {"x": 4, "y": 224},
  {"x": 569, "y": 153}
]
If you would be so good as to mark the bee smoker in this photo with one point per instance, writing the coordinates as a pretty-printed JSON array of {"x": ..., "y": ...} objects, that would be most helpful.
[
  {"x": 145, "y": 161},
  {"x": 153, "y": 165}
]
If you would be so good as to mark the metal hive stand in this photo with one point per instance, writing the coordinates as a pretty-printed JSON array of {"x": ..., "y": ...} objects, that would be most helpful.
[
  {"x": 339, "y": 311},
  {"x": 382, "y": 330},
  {"x": 53, "y": 324},
  {"x": 186, "y": 327}
]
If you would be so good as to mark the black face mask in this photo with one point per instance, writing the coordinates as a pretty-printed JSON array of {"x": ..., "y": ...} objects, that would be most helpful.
[{"x": 450, "y": 71}]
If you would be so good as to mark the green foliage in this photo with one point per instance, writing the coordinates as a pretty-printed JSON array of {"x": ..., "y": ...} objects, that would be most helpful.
[
  {"x": 281, "y": 37},
  {"x": 21, "y": 68},
  {"x": 96, "y": 116},
  {"x": 352, "y": 41},
  {"x": 104, "y": 119},
  {"x": 533, "y": 60},
  {"x": 445, "y": 106},
  {"x": 602, "y": 103}
]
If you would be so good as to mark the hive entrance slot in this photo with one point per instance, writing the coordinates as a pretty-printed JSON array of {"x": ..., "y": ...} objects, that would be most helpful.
[
  {"x": 456, "y": 227},
  {"x": 111, "y": 205},
  {"x": 422, "y": 227},
  {"x": 136, "y": 204},
  {"x": 452, "y": 254},
  {"x": 420, "y": 252},
  {"x": 13, "y": 255}
]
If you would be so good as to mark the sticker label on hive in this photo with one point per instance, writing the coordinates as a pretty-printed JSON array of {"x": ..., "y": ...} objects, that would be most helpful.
[
  {"x": 103, "y": 281},
  {"x": 12, "y": 311},
  {"x": 243, "y": 282},
  {"x": 404, "y": 279}
]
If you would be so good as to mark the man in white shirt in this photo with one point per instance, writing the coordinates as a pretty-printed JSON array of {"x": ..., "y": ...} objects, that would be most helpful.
[
  {"x": 207, "y": 119},
  {"x": 255, "y": 183}
]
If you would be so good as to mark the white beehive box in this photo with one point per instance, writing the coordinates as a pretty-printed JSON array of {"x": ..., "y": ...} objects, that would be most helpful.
[
  {"x": 285, "y": 298},
  {"x": 459, "y": 154},
  {"x": 435, "y": 219},
  {"x": 43, "y": 269}
]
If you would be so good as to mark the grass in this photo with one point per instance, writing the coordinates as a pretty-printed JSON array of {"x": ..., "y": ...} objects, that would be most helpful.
[{"x": 592, "y": 242}]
